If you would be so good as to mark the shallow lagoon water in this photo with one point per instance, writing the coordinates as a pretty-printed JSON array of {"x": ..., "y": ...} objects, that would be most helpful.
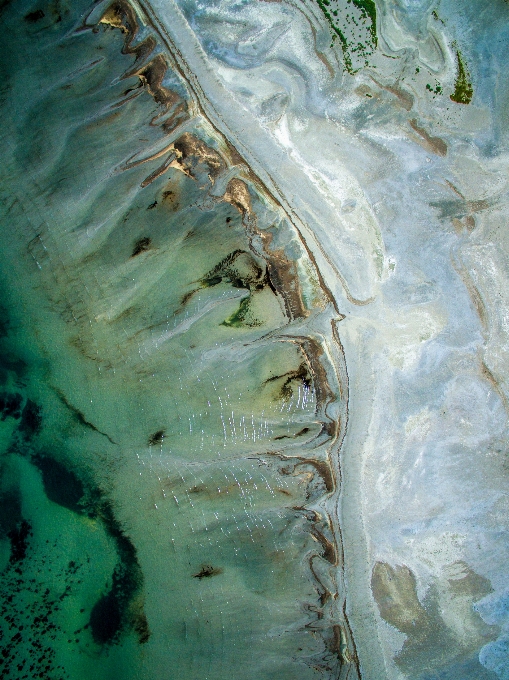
[{"x": 253, "y": 340}]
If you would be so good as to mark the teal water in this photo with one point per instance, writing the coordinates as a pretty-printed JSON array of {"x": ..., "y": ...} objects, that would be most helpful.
[{"x": 172, "y": 388}]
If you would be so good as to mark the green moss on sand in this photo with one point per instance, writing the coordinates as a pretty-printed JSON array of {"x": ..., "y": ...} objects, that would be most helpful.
[{"x": 463, "y": 91}]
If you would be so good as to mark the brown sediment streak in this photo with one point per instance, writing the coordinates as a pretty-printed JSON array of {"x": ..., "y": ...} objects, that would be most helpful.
[
  {"x": 310, "y": 514},
  {"x": 474, "y": 293},
  {"x": 313, "y": 352},
  {"x": 455, "y": 189},
  {"x": 152, "y": 76},
  {"x": 435, "y": 144},
  {"x": 120, "y": 15},
  {"x": 324, "y": 470},
  {"x": 488, "y": 375},
  {"x": 353, "y": 658},
  {"x": 325, "y": 288},
  {"x": 324, "y": 593},
  {"x": 478, "y": 206},
  {"x": 284, "y": 279},
  {"x": 337, "y": 644},
  {"x": 237, "y": 194},
  {"x": 135, "y": 93},
  {"x": 159, "y": 171},
  {"x": 322, "y": 467},
  {"x": 329, "y": 549},
  {"x": 405, "y": 98},
  {"x": 318, "y": 53},
  {"x": 343, "y": 380},
  {"x": 191, "y": 150}
]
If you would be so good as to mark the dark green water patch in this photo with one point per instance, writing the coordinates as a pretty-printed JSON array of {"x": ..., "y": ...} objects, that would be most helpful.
[
  {"x": 4, "y": 324},
  {"x": 121, "y": 607},
  {"x": 10, "y": 364},
  {"x": 10, "y": 405},
  {"x": 10, "y": 510},
  {"x": 33, "y": 17},
  {"x": 106, "y": 616},
  {"x": 19, "y": 537},
  {"x": 31, "y": 420},
  {"x": 61, "y": 485}
]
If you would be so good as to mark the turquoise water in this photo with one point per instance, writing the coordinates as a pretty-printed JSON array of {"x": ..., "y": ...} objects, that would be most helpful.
[{"x": 172, "y": 395}]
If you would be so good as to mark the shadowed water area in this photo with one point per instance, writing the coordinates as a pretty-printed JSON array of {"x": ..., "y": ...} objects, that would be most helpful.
[{"x": 173, "y": 391}]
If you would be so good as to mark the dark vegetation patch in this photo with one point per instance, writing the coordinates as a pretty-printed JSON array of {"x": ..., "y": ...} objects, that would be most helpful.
[
  {"x": 242, "y": 316},
  {"x": 302, "y": 432},
  {"x": 80, "y": 417},
  {"x": 27, "y": 605},
  {"x": 140, "y": 626},
  {"x": 10, "y": 510},
  {"x": 156, "y": 438},
  {"x": 301, "y": 375},
  {"x": 142, "y": 245},
  {"x": 206, "y": 571},
  {"x": 61, "y": 485},
  {"x": 10, "y": 405},
  {"x": 33, "y": 17},
  {"x": 11, "y": 364},
  {"x": 27, "y": 627},
  {"x": 31, "y": 420},
  {"x": 119, "y": 608},
  {"x": 106, "y": 616},
  {"x": 240, "y": 269},
  {"x": 463, "y": 90},
  {"x": 19, "y": 537},
  {"x": 4, "y": 318},
  {"x": 350, "y": 46}
]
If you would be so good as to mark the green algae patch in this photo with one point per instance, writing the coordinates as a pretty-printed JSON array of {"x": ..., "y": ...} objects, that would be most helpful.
[
  {"x": 436, "y": 89},
  {"x": 242, "y": 317},
  {"x": 368, "y": 9},
  {"x": 354, "y": 23},
  {"x": 463, "y": 90},
  {"x": 336, "y": 33}
]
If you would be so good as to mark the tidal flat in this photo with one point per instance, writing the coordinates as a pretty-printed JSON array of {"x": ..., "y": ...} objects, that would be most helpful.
[
  {"x": 253, "y": 333},
  {"x": 173, "y": 386}
]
